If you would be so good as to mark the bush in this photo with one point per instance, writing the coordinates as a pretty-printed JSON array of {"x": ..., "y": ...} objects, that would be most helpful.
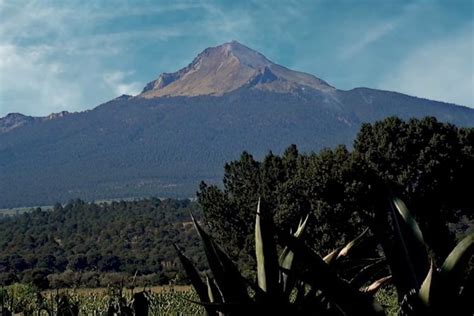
[
  {"x": 38, "y": 278},
  {"x": 8, "y": 278},
  {"x": 66, "y": 279}
]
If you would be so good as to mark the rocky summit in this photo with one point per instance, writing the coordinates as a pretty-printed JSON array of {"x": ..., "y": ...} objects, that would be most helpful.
[{"x": 228, "y": 67}]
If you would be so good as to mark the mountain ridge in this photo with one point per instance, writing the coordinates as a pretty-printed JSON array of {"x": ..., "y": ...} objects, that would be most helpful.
[
  {"x": 264, "y": 72},
  {"x": 135, "y": 146},
  {"x": 12, "y": 121}
]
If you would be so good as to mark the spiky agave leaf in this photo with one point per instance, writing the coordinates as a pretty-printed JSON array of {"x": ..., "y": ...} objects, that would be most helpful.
[
  {"x": 210, "y": 251},
  {"x": 343, "y": 252},
  {"x": 427, "y": 286},
  {"x": 408, "y": 218},
  {"x": 367, "y": 272},
  {"x": 213, "y": 291},
  {"x": 406, "y": 254},
  {"x": 287, "y": 258},
  {"x": 231, "y": 283},
  {"x": 300, "y": 292},
  {"x": 265, "y": 253},
  {"x": 193, "y": 275},
  {"x": 351, "y": 245},
  {"x": 376, "y": 285},
  {"x": 459, "y": 256},
  {"x": 330, "y": 257},
  {"x": 449, "y": 279},
  {"x": 322, "y": 277}
]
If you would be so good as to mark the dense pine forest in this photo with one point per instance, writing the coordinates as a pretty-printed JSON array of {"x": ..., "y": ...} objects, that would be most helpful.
[
  {"x": 97, "y": 244},
  {"x": 164, "y": 147}
]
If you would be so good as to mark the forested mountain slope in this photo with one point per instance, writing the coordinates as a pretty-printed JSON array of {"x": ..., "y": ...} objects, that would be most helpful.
[{"x": 186, "y": 125}]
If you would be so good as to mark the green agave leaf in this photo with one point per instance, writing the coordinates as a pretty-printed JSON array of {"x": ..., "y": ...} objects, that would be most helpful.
[
  {"x": 408, "y": 218},
  {"x": 450, "y": 276},
  {"x": 459, "y": 256},
  {"x": 259, "y": 251},
  {"x": 213, "y": 291},
  {"x": 321, "y": 276},
  {"x": 426, "y": 287},
  {"x": 265, "y": 251},
  {"x": 193, "y": 275},
  {"x": 210, "y": 251},
  {"x": 228, "y": 279},
  {"x": 300, "y": 292},
  {"x": 406, "y": 252},
  {"x": 367, "y": 272},
  {"x": 351, "y": 245},
  {"x": 287, "y": 257},
  {"x": 376, "y": 285},
  {"x": 330, "y": 257},
  {"x": 301, "y": 227}
]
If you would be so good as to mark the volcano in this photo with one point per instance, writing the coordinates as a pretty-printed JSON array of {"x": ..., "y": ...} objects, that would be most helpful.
[{"x": 184, "y": 126}]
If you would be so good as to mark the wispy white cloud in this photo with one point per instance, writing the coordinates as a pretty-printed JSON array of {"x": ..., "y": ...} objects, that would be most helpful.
[
  {"x": 29, "y": 79},
  {"x": 56, "y": 57},
  {"x": 223, "y": 25},
  {"x": 440, "y": 70},
  {"x": 117, "y": 82},
  {"x": 370, "y": 36},
  {"x": 74, "y": 55},
  {"x": 370, "y": 33}
]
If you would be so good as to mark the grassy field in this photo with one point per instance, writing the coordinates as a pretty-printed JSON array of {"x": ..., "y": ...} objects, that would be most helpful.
[
  {"x": 103, "y": 290},
  {"x": 160, "y": 300}
]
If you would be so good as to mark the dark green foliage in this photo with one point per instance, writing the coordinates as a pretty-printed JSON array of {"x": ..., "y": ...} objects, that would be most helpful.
[
  {"x": 422, "y": 288},
  {"x": 92, "y": 244},
  {"x": 426, "y": 162},
  {"x": 429, "y": 163}
]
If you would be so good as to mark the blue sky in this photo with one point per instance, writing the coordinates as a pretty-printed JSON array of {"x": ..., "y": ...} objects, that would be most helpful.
[{"x": 74, "y": 55}]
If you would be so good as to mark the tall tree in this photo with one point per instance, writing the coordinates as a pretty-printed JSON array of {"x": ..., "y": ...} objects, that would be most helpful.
[{"x": 426, "y": 162}]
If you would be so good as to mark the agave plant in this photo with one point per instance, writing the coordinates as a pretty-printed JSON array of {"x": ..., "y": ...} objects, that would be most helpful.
[
  {"x": 422, "y": 288},
  {"x": 297, "y": 282}
]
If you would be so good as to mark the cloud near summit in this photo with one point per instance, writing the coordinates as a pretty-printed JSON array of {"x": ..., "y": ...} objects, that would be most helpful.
[
  {"x": 441, "y": 69},
  {"x": 75, "y": 55}
]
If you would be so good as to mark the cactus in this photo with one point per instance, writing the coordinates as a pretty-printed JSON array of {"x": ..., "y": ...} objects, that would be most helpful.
[
  {"x": 422, "y": 288},
  {"x": 315, "y": 288},
  {"x": 280, "y": 288}
]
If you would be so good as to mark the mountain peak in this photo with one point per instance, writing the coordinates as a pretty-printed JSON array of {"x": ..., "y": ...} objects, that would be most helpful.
[
  {"x": 227, "y": 67},
  {"x": 14, "y": 120},
  {"x": 244, "y": 54},
  {"x": 54, "y": 116}
]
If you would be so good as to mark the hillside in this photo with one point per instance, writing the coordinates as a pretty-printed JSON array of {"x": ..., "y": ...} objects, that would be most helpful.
[{"x": 184, "y": 126}]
